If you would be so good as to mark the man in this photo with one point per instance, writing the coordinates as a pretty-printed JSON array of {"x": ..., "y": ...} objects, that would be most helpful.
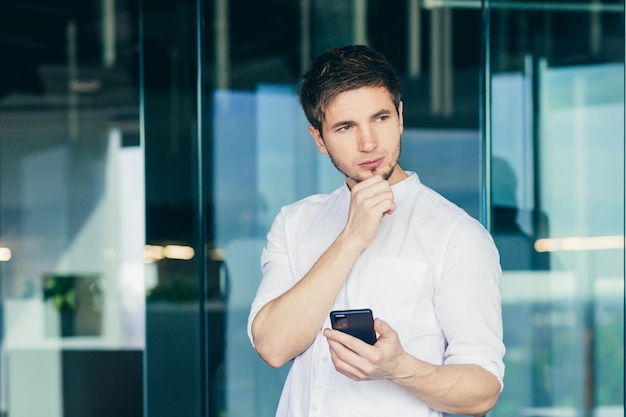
[{"x": 384, "y": 241}]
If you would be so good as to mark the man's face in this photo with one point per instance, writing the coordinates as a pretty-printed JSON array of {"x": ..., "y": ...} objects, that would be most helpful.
[{"x": 361, "y": 134}]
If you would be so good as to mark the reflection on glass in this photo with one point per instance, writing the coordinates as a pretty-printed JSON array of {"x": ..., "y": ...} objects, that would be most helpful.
[
  {"x": 71, "y": 211},
  {"x": 557, "y": 81},
  {"x": 83, "y": 236}
]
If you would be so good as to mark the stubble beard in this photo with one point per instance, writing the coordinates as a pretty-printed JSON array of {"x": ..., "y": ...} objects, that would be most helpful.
[{"x": 357, "y": 179}]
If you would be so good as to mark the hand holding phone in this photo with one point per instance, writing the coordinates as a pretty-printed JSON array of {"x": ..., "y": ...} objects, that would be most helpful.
[{"x": 357, "y": 323}]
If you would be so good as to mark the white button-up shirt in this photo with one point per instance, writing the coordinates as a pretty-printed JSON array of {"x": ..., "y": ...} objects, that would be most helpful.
[{"x": 432, "y": 273}]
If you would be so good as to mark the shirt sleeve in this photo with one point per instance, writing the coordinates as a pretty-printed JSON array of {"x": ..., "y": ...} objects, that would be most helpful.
[
  {"x": 275, "y": 266},
  {"x": 468, "y": 298}
]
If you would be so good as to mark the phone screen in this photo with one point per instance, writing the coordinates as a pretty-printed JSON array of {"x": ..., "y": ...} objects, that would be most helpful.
[{"x": 357, "y": 323}]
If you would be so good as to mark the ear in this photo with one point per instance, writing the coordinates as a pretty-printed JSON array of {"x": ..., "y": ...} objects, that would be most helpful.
[
  {"x": 319, "y": 141},
  {"x": 400, "y": 117}
]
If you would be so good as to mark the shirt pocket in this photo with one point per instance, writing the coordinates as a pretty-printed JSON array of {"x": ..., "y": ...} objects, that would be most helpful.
[{"x": 394, "y": 287}]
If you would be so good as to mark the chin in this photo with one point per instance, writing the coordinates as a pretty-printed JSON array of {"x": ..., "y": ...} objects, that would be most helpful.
[
  {"x": 386, "y": 174},
  {"x": 362, "y": 177}
]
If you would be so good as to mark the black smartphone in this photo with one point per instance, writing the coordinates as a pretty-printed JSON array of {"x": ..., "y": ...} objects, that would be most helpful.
[{"x": 357, "y": 323}]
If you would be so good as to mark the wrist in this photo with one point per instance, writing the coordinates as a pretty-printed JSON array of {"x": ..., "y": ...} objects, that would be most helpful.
[
  {"x": 351, "y": 243},
  {"x": 409, "y": 369},
  {"x": 404, "y": 368}
]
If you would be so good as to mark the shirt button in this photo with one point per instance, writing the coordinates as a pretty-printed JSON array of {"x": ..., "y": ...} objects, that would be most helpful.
[
  {"x": 314, "y": 408},
  {"x": 325, "y": 359}
]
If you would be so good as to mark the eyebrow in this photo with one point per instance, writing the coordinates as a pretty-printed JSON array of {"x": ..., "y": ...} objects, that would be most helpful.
[{"x": 349, "y": 122}]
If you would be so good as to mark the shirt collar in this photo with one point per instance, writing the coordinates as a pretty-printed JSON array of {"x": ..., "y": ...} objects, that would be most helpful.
[{"x": 403, "y": 187}]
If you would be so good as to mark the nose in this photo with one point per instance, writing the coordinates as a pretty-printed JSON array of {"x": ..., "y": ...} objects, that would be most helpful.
[{"x": 368, "y": 140}]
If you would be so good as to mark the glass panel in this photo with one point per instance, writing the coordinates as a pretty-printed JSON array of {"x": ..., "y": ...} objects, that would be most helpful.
[
  {"x": 557, "y": 170},
  {"x": 71, "y": 210},
  {"x": 180, "y": 357},
  {"x": 259, "y": 156}
]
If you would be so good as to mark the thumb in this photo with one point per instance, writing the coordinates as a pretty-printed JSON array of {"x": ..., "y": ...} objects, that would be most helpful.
[
  {"x": 382, "y": 328},
  {"x": 387, "y": 334}
]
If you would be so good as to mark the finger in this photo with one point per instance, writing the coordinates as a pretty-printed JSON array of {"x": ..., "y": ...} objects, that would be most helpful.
[
  {"x": 371, "y": 187},
  {"x": 380, "y": 326},
  {"x": 378, "y": 203},
  {"x": 357, "y": 353},
  {"x": 353, "y": 343},
  {"x": 384, "y": 329},
  {"x": 375, "y": 179},
  {"x": 388, "y": 336},
  {"x": 387, "y": 207},
  {"x": 346, "y": 361}
]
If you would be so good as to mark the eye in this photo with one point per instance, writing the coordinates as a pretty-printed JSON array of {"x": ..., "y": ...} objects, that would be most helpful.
[
  {"x": 382, "y": 118},
  {"x": 344, "y": 128}
]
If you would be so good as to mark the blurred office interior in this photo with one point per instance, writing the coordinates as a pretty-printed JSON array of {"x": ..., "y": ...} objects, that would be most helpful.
[{"x": 146, "y": 145}]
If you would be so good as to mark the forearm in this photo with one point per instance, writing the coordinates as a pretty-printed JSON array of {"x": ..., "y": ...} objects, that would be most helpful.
[
  {"x": 455, "y": 389},
  {"x": 286, "y": 326}
]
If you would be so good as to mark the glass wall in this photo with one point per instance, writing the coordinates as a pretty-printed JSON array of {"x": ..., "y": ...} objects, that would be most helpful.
[
  {"x": 555, "y": 79},
  {"x": 145, "y": 148},
  {"x": 525, "y": 133},
  {"x": 72, "y": 220},
  {"x": 259, "y": 156}
]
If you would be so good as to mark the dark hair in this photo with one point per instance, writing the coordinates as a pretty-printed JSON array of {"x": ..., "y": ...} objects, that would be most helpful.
[{"x": 343, "y": 69}]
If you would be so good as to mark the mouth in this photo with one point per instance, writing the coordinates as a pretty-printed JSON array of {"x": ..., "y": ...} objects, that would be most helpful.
[{"x": 371, "y": 164}]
